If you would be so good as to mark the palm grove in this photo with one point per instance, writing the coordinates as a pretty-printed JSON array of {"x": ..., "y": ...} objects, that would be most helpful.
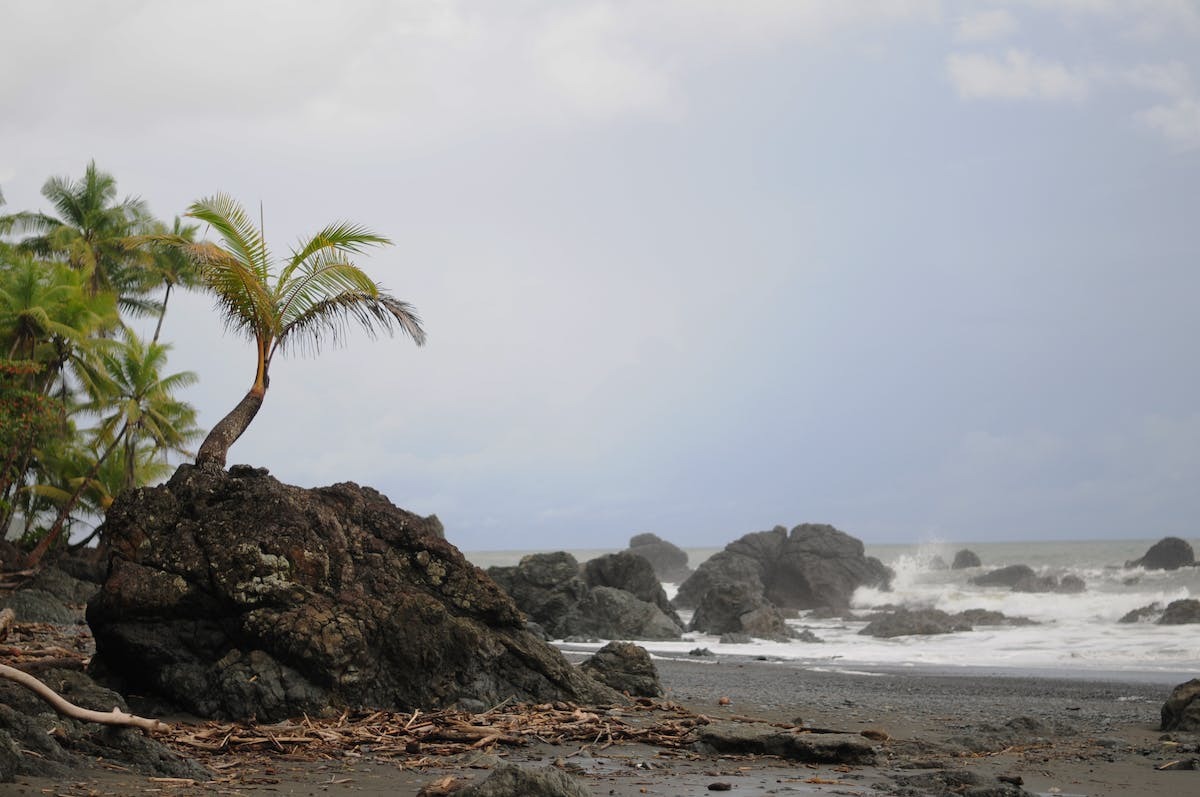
[{"x": 87, "y": 407}]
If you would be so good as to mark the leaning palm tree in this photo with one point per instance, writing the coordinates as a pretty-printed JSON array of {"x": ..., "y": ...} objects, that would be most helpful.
[{"x": 312, "y": 299}]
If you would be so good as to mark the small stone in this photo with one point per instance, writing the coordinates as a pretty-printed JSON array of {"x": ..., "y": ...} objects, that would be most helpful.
[{"x": 720, "y": 785}]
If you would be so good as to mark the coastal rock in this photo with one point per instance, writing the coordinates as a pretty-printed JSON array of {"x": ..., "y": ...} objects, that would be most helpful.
[
  {"x": 670, "y": 562},
  {"x": 814, "y": 565},
  {"x": 611, "y": 613},
  {"x": 990, "y": 617},
  {"x": 1169, "y": 553},
  {"x": 36, "y": 741},
  {"x": 233, "y": 595},
  {"x": 63, "y": 585},
  {"x": 1144, "y": 614},
  {"x": 510, "y": 780},
  {"x": 733, "y": 609},
  {"x": 547, "y": 587},
  {"x": 956, "y": 783},
  {"x": 1181, "y": 712},
  {"x": 1005, "y": 576},
  {"x": 631, "y": 573},
  {"x": 626, "y": 668},
  {"x": 1181, "y": 612},
  {"x": 760, "y": 738},
  {"x": 906, "y": 622},
  {"x": 39, "y": 606},
  {"x": 964, "y": 559},
  {"x": 1068, "y": 585}
]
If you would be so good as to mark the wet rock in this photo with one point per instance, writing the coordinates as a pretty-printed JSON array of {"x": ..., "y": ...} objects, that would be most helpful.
[
  {"x": 956, "y": 783},
  {"x": 626, "y": 668},
  {"x": 234, "y": 595},
  {"x": 39, "y": 606},
  {"x": 547, "y": 587},
  {"x": 964, "y": 559},
  {"x": 735, "y": 639},
  {"x": 670, "y": 562},
  {"x": 759, "y": 738},
  {"x": 989, "y": 617},
  {"x": 906, "y": 622},
  {"x": 62, "y": 585},
  {"x": 1034, "y": 583},
  {"x": 811, "y": 566},
  {"x": 808, "y": 636},
  {"x": 1169, "y": 553},
  {"x": 631, "y": 573},
  {"x": 510, "y": 780},
  {"x": 36, "y": 741},
  {"x": 1071, "y": 584},
  {"x": 1181, "y": 612},
  {"x": 1004, "y": 576},
  {"x": 616, "y": 614},
  {"x": 1144, "y": 614},
  {"x": 735, "y": 609}
]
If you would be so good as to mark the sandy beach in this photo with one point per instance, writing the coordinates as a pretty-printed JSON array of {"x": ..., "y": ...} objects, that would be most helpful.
[{"x": 1060, "y": 736}]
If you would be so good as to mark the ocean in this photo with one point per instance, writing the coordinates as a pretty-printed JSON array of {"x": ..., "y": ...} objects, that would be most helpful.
[{"x": 1077, "y": 635}]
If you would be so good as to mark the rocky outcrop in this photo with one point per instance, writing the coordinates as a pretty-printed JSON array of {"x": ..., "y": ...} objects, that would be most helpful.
[
  {"x": 510, "y": 780},
  {"x": 1181, "y": 712},
  {"x": 551, "y": 589},
  {"x": 908, "y": 622},
  {"x": 631, "y": 573},
  {"x": 1169, "y": 553},
  {"x": 1143, "y": 614},
  {"x": 812, "y": 566},
  {"x": 964, "y": 559},
  {"x": 734, "y": 610},
  {"x": 1181, "y": 612},
  {"x": 231, "y": 594},
  {"x": 760, "y": 738},
  {"x": 1005, "y": 576},
  {"x": 626, "y": 668},
  {"x": 1068, "y": 585},
  {"x": 670, "y": 562}
]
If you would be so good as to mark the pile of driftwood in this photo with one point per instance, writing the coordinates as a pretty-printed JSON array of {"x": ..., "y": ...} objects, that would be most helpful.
[{"x": 422, "y": 737}]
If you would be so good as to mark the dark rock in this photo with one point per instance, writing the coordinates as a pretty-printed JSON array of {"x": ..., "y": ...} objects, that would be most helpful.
[
  {"x": 1034, "y": 583},
  {"x": 1071, "y": 584},
  {"x": 62, "y": 585},
  {"x": 956, "y": 783},
  {"x": 631, "y": 573},
  {"x": 547, "y": 587},
  {"x": 1181, "y": 612},
  {"x": 760, "y": 738},
  {"x": 735, "y": 639},
  {"x": 1145, "y": 614},
  {"x": 234, "y": 595},
  {"x": 1004, "y": 576},
  {"x": 85, "y": 564},
  {"x": 936, "y": 562},
  {"x": 626, "y": 668},
  {"x": 39, "y": 606},
  {"x": 1181, "y": 712},
  {"x": 1169, "y": 553},
  {"x": 976, "y": 617},
  {"x": 812, "y": 566},
  {"x": 616, "y": 614},
  {"x": 734, "y": 609},
  {"x": 808, "y": 636},
  {"x": 510, "y": 780},
  {"x": 964, "y": 559},
  {"x": 702, "y": 652},
  {"x": 28, "y": 747},
  {"x": 670, "y": 562},
  {"x": 908, "y": 622}
]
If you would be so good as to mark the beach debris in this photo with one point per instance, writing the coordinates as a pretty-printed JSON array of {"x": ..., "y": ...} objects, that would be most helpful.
[
  {"x": 69, "y": 709},
  {"x": 1185, "y": 763},
  {"x": 875, "y": 734},
  {"x": 724, "y": 701},
  {"x": 626, "y": 668}
]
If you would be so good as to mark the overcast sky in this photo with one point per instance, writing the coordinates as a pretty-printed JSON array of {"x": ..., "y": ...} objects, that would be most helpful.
[{"x": 922, "y": 270}]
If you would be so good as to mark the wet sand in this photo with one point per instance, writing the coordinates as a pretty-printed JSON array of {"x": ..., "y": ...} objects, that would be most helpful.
[{"x": 1060, "y": 736}]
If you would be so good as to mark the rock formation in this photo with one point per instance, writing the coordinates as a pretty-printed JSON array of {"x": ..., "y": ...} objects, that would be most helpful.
[
  {"x": 626, "y": 668},
  {"x": 1181, "y": 712},
  {"x": 964, "y": 559},
  {"x": 231, "y": 594},
  {"x": 734, "y": 609},
  {"x": 670, "y": 562},
  {"x": 631, "y": 573},
  {"x": 1005, "y": 576},
  {"x": 1169, "y": 553}
]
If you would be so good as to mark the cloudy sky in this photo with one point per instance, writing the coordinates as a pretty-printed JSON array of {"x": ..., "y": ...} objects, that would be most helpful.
[{"x": 922, "y": 270}]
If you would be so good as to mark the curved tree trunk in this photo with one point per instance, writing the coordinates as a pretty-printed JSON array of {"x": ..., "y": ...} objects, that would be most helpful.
[
  {"x": 161, "y": 315},
  {"x": 215, "y": 447}
]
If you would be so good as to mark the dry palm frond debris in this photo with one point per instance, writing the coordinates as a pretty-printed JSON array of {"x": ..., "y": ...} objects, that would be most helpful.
[{"x": 423, "y": 737}]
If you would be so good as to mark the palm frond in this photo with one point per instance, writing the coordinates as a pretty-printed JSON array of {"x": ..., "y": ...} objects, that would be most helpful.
[
  {"x": 322, "y": 275},
  {"x": 242, "y": 239},
  {"x": 338, "y": 237},
  {"x": 331, "y": 318}
]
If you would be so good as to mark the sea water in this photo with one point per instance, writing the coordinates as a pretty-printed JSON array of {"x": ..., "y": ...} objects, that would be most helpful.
[{"x": 1076, "y": 635}]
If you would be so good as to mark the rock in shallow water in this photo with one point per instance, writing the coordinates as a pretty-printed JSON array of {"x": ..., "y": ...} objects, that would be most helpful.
[{"x": 231, "y": 594}]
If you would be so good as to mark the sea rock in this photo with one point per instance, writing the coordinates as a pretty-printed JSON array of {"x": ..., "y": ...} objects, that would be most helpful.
[
  {"x": 39, "y": 606},
  {"x": 1181, "y": 712},
  {"x": 812, "y": 566},
  {"x": 1005, "y": 576},
  {"x": 1144, "y": 614},
  {"x": 631, "y": 573},
  {"x": 233, "y": 595},
  {"x": 547, "y": 587},
  {"x": 990, "y": 617},
  {"x": 611, "y": 613},
  {"x": 760, "y": 738},
  {"x": 36, "y": 741},
  {"x": 735, "y": 609},
  {"x": 910, "y": 622},
  {"x": 510, "y": 780},
  {"x": 1169, "y": 553},
  {"x": 964, "y": 559},
  {"x": 670, "y": 562},
  {"x": 1181, "y": 612},
  {"x": 626, "y": 668},
  {"x": 1071, "y": 584}
]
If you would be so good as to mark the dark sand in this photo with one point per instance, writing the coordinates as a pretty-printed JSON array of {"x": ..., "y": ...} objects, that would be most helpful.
[{"x": 1072, "y": 737}]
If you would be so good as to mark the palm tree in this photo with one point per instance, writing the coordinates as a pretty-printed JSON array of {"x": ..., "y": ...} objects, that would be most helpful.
[
  {"x": 313, "y": 298},
  {"x": 134, "y": 403},
  {"x": 170, "y": 265}
]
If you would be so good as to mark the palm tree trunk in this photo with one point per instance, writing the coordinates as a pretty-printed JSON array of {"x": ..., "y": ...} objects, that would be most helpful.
[
  {"x": 35, "y": 556},
  {"x": 215, "y": 447},
  {"x": 161, "y": 314}
]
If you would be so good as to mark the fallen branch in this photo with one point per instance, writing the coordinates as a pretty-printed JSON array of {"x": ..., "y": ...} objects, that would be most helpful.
[{"x": 69, "y": 709}]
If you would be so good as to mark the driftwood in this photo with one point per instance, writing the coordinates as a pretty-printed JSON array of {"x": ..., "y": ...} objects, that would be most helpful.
[{"x": 69, "y": 709}]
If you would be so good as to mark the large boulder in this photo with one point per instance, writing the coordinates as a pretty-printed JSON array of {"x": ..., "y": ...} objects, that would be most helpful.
[
  {"x": 610, "y": 613},
  {"x": 670, "y": 562},
  {"x": 813, "y": 566},
  {"x": 912, "y": 622},
  {"x": 547, "y": 587},
  {"x": 1169, "y": 553},
  {"x": 735, "y": 609},
  {"x": 1181, "y": 712},
  {"x": 964, "y": 559},
  {"x": 626, "y": 668},
  {"x": 631, "y": 573},
  {"x": 1006, "y": 576},
  {"x": 230, "y": 594},
  {"x": 1181, "y": 612}
]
